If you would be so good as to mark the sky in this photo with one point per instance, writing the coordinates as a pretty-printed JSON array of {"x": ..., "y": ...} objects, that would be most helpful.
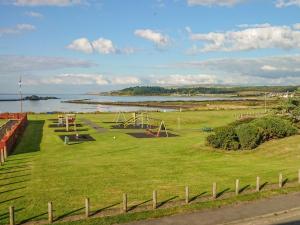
[{"x": 79, "y": 46}]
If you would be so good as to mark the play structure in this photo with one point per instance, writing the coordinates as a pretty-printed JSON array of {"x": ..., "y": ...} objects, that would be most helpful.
[
  {"x": 120, "y": 117},
  {"x": 141, "y": 120},
  {"x": 160, "y": 131},
  {"x": 70, "y": 121},
  {"x": 137, "y": 120},
  {"x": 67, "y": 120}
]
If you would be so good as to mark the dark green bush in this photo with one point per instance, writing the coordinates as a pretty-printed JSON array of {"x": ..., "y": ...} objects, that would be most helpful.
[
  {"x": 249, "y": 135},
  {"x": 224, "y": 137},
  {"x": 241, "y": 121},
  {"x": 274, "y": 127}
]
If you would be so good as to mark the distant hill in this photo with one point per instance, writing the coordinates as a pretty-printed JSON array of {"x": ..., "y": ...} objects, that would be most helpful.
[{"x": 239, "y": 91}]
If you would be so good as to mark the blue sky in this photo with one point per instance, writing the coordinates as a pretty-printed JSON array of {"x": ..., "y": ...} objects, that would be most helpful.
[{"x": 77, "y": 46}]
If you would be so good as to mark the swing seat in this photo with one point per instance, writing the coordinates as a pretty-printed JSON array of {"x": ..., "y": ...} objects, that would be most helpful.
[{"x": 151, "y": 133}]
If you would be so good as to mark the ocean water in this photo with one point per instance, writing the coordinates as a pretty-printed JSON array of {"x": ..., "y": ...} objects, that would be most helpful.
[{"x": 57, "y": 104}]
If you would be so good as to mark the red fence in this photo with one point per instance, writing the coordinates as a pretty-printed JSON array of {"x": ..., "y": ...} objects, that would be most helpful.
[{"x": 12, "y": 132}]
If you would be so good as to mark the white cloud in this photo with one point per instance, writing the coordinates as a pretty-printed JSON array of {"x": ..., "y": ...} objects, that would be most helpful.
[
  {"x": 264, "y": 67},
  {"x": 81, "y": 44},
  {"x": 19, "y": 28},
  {"x": 34, "y": 14},
  {"x": 214, "y": 2},
  {"x": 286, "y": 3},
  {"x": 103, "y": 46},
  {"x": 20, "y": 64},
  {"x": 153, "y": 36},
  {"x": 83, "y": 79},
  {"x": 259, "y": 37},
  {"x": 125, "y": 80},
  {"x": 296, "y": 26},
  {"x": 180, "y": 79},
  {"x": 59, "y": 3},
  {"x": 259, "y": 25}
]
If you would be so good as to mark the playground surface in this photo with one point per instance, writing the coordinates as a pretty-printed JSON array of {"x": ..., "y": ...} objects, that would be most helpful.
[{"x": 44, "y": 169}]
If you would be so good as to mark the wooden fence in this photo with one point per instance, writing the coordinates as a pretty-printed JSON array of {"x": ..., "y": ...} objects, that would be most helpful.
[{"x": 155, "y": 204}]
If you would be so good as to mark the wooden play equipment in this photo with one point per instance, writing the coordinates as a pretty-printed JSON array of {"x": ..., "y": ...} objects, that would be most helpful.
[
  {"x": 120, "y": 117},
  {"x": 138, "y": 119},
  {"x": 60, "y": 119},
  {"x": 70, "y": 120},
  {"x": 157, "y": 132}
]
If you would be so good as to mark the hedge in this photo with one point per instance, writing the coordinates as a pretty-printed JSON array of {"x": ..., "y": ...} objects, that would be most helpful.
[{"x": 249, "y": 134}]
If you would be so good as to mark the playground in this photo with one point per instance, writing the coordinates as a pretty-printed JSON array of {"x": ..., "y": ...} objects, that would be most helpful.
[{"x": 102, "y": 162}]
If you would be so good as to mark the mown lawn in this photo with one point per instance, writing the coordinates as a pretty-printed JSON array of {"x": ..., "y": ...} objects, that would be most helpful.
[
  {"x": 2, "y": 122},
  {"x": 43, "y": 169}
]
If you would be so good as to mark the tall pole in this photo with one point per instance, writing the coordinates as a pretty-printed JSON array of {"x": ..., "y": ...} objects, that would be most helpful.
[
  {"x": 265, "y": 102},
  {"x": 20, "y": 92}
]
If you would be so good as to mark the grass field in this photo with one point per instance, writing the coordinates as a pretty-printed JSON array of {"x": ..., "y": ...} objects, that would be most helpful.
[
  {"x": 2, "y": 122},
  {"x": 43, "y": 169}
]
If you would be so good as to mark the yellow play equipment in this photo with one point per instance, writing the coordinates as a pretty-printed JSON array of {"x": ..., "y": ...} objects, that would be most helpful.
[{"x": 138, "y": 119}]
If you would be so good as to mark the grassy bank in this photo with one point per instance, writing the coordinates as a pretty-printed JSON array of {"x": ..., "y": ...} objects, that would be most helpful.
[{"x": 43, "y": 169}]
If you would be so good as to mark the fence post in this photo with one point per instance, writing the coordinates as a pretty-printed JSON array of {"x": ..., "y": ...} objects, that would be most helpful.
[
  {"x": 1, "y": 157},
  {"x": 87, "y": 207},
  {"x": 214, "y": 190},
  {"x": 154, "y": 197},
  {"x": 237, "y": 187},
  {"x": 5, "y": 152},
  {"x": 280, "y": 180},
  {"x": 257, "y": 184},
  {"x": 187, "y": 198},
  {"x": 11, "y": 215},
  {"x": 124, "y": 202},
  {"x": 50, "y": 212}
]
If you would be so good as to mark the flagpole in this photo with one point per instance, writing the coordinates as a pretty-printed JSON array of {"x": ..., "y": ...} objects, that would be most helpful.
[{"x": 20, "y": 92}]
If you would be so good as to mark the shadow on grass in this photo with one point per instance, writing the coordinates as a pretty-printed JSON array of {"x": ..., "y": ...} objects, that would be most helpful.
[
  {"x": 31, "y": 139},
  {"x": 7, "y": 178},
  {"x": 222, "y": 192},
  {"x": 139, "y": 204},
  {"x": 68, "y": 213},
  {"x": 14, "y": 171},
  {"x": 33, "y": 217},
  {"x": 5, "y": 215},
  {"x": 14, "y": 167},
  {"x": 244, "y": 188},
  {"x": 16, "y": 182},
  {"x": 14, "y": 189},
  {"x": 263, "y": 185},
  {"x": 166, "y": 201},
  {"x": 284, "y": 182},
  {"x": 107, "y": 207},
  {"x": 197, "y": 196},
  {"x": 11, "y": 199}
]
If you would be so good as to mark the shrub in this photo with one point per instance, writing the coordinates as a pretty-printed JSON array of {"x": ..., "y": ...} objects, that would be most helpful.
[
  {"x": 249, "y": 135},
  {"x": 224, "y": 137},
  {"x": 241, "y": 121},
  {"x": 274, "y": 127}
]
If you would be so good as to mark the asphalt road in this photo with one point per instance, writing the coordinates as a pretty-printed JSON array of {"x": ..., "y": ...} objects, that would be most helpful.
[{"x": 283, "y": 210}]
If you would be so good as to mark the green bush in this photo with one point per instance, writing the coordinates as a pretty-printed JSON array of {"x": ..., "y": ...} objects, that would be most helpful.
[
  {"x": 249, "y": 135},
  {"x": 274, "y": 127},
  {"x": 224, "y": 137}
]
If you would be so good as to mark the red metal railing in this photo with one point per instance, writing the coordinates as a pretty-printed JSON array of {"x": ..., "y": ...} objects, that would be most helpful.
[{"x": 11, "y": 136}]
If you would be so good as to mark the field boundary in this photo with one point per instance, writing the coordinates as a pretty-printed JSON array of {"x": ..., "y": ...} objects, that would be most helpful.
[{"x": 155, "y": 205}]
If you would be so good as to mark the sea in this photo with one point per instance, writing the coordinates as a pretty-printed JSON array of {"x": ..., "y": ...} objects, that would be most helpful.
[{"x": 57, "y": 105}]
